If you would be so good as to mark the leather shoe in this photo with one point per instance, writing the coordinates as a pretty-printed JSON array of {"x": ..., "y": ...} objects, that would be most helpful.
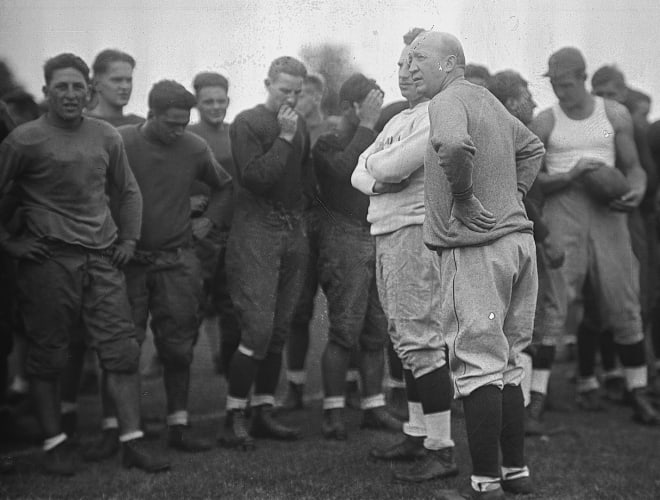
[
  {"x": 106, "y": 447},
  {"x": 235, "y": 431},
  {"x": 408, "y": 450},
  {"x": 644, "y": 411},
  {"x": 437, "y": 464},
  {"x": 264, "y": 425},
  {"x": 59, "y": 461},
  {"x": 180, "y": 439},
  {"x": 135, "y": 454},
  {"x": 380, "y": 419},
  {"x": 333, "y": 426}
]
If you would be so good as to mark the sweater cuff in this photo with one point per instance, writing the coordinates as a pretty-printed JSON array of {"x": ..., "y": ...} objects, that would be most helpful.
[
  {"x": 288, "y": 143},
  {"x": 463, "y": 195}
]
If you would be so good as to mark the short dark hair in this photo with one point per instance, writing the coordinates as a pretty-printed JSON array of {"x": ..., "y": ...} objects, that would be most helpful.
[
  {"x": 287, "y": 64},
  {"x": 506, "y": 85},
  {"x": 606, "y": 74},
  {"x": 108, "y": 56},
  {"x": 477, "y": 71},
  {"x": 356, "y": 88},
  {"x": 634, "y": 97},
  {"x": 62, "y": 61},
  {"x": 316, "y": 81},
  {"x": 168, "y": 94},
  {"x": 210, "y": 79},
  {"x": 409, "y": 37},
  {"x": 23, "y": 101}
]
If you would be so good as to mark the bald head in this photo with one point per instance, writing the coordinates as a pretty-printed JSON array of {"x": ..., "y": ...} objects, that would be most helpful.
[
  {"x": 443, "y": 44},
  {"x": 436, "y": 59}
]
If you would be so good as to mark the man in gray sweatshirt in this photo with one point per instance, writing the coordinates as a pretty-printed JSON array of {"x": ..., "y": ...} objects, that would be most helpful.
[{"x": 479, "y": 165}]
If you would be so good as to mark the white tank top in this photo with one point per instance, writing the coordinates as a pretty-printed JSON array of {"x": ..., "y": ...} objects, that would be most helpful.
[{"x": 571, "y": 139}]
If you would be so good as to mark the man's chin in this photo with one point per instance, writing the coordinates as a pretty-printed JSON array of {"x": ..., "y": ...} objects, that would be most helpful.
[{"x": 70, "y": 116}]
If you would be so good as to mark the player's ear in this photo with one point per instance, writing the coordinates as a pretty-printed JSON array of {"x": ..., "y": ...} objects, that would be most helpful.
[
  {"x": 44, "y": 89},
  {"x": 450, "y": 64},
  {"x": 267, "y": 83}
]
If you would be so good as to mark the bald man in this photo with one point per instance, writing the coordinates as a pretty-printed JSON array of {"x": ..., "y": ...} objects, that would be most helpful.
[{"x": 480, "y": 162}]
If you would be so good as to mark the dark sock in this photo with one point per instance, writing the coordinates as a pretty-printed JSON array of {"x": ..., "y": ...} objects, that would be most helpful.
[
  {"x": 632, "y": 355},
  {"x": 396, "y": 368},
  {"x": 72, "y": 373},
  {"x": 268, "y": 374},
  {"x": 227, "y": 351},
  {"x": 544, "y": 357},
  {"x": 4, "y": 378},
  {"x": 512, "y": 437},
  {"x": 587, "y": 346},
  {"x": 412, "y": 394},
  {"x": 242, "y": 372},
  {"x": 608, "y": 351},
  {"x": 483, "y": 422},
  {"x": 435, "y": 391}
]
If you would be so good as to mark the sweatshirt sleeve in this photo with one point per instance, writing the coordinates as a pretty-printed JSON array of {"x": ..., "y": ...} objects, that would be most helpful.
[
  {"x": 529, "y": 156},
  {"x": 452, "y": 143},
  {"x": 340, "y": 162},
  {"x": 125, "y": 188},
  {"x": 211, "y": 173},
  {"x": 11, "y": 164},
  {"x": 258, "y": 169},
  {"x": 534, "y": 206},
  {"x": 402, "y": 158},
  {"x": 361, "y": 179}
]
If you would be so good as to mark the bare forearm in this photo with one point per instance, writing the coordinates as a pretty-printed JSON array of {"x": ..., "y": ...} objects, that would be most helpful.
[{"x": 552, "y": 183}]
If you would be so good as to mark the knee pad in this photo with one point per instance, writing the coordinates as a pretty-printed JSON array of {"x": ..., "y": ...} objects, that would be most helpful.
[
  {"x": 122, "y": 356},
  {"x": 178, "y": 354},
  {"x": 46, "y": 363}
]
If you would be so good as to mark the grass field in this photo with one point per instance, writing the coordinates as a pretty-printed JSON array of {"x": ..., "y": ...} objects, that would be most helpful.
[{"x": 601, "y": 456}]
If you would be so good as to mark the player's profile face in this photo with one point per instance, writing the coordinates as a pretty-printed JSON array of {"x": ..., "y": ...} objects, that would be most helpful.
[
  {"x": 406, "y": 85},
  {"x": 307, "y": 100},
  {"x": 67, "y": 94},
  {"x": 116, "y": 84},
  {"x": 425, "y": 68},
  {"x": 523, "y": 107},
  {"x": 212, "y": 103},
  {"x": 170, "y": 125},
  {"x": 610, "y": 90},
  {"x": 283, "y": 89}
]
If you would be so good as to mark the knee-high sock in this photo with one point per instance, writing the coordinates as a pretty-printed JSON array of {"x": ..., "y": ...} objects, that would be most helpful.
[
  {"x": 242, "y": 372},
  {"x": 541, "y": 366},
  {"x": 435, "y": 393},
  {"x": 633, "y": 359},
  {"x": 268, "y": 375},
  {"x": 483, "y": 422},
  {"x": 512, "y": 437}
]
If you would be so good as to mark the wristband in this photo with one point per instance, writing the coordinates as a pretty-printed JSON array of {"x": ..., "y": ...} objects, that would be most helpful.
[{"x": 463, "y": 195}]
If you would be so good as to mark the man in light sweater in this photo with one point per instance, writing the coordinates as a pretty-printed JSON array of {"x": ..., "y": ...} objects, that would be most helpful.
[
  {"x": 480, "y": 162},
  {"x": 391, "y": 171}
]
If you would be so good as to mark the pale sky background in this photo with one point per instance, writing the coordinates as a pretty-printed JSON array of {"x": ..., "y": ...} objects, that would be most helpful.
[{"x": 177, "y": 38}]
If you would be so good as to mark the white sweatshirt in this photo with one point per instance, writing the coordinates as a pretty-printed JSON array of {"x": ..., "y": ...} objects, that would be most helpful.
[{"x": 396, "y": 154}]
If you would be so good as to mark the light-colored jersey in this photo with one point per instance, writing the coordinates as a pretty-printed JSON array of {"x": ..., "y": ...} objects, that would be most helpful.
[
  {"x": 571, "y": 140},
  {"x": 396, "y": 154}
]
